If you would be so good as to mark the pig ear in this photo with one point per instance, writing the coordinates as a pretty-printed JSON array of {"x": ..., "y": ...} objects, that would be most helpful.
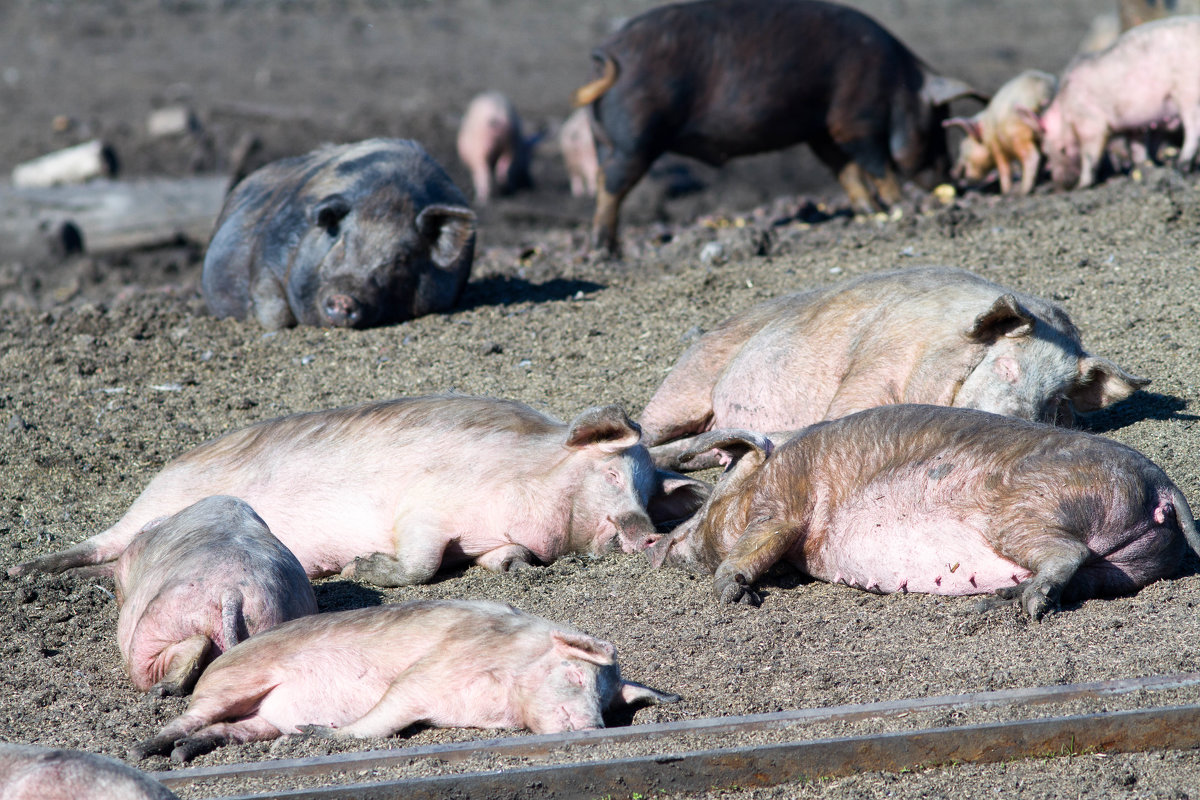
[
  {"x": 1030, "y": 118},
  {"x": 1006, "y": 317},
  {"x": 606, "y": 427},
  {"x": 968, "y": 124},
  {"x": 583, "y": 647},
  {"x": 1102, "y": 383},
  {"x": 939, "y": 90},
  {"x": 635, "y": 694},
  {"x": 733, "y": 446},
  {"x": 677, "y": 498},
  {"x": 448, "y": 229},
  {"x": 330, "y": 211}
]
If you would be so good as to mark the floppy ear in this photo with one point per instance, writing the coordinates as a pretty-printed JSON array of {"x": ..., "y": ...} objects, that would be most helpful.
[
  {"x": 734, "y": 446},
  {"x": 448, "y": 229},
  {"x": 1030, "y": 118},
  {"x": 583, "y": 647},
  {"x": 939, "y": 90},
  {"x": 676, "y": 498},
  {"x": 330, "y": 212},
  {"x": 632, "y": 694},
  {"x": 606, "y": 427},
  {"x": 969, "y": 124},
  {"x": 1102, "y": 383},
  {"x": 1006, "y": 317}
]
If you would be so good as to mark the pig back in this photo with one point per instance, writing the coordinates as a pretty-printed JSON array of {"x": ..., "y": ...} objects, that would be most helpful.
[{"x": 721, "y": 78}]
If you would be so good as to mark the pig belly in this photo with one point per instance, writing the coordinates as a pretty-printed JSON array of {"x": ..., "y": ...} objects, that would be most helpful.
[
  {"x": 932, "y": 556},
  {"x": 333, "y": 691}
]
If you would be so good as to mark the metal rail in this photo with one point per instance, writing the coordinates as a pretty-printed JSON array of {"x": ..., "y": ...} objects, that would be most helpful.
[
  {"x": 532, "y": 746},
  {"x": 1120, "y": 731}
]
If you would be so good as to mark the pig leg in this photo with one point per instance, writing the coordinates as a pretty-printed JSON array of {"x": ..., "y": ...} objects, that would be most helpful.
[
  {"x": 621, "y": 176},
  {"x": 509, "y": 558},
  {"x": 205, "y": 740},
  {"x": 1054, "y": 560},
  {"x": 1003, "y": 167},
  {"x": 762, "y": 546},
  {"x": 849, "y": 174},
  {"x": 205, "y": 709},
  {"x": 185, "y": 661},
  {"x": 404, "y": 703},
  {"x": 271, "y": 307},
  {"x": 1190, "y": 118},
  {"x": 887, "y": 187},
  {"x": 418, "y": 558},
  {"x": 1030, "y": 157}
]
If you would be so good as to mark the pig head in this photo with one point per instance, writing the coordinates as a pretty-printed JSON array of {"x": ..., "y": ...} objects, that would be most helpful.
[{"x": 348, "y": 236}]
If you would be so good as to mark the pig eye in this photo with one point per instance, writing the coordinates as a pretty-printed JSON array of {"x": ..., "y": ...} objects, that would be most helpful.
[{"x": 613, "y": 477}]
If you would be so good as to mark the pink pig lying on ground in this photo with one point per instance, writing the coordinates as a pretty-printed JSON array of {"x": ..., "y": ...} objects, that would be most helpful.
[
  {"x": 195, "y": 584},
  {"x": 1003, "y": 132},
  {"x": 926, "y": 335},
  {"x": 38, "y": 773},
  {"x": 1145, "y": 80},
  {"x": 917, "y": 498},
  {"x": 388, "y": 492},
  {"x": 372, "y": 672}
]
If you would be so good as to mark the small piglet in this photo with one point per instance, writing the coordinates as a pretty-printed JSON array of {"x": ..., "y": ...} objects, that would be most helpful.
[
  {"x": 492, "y": 146},
  {"x": 925, "y": 335},
  {"x": 372, "y": 672},
  {"x": 1145, "y": 80},
  {"x": 389, "y": 492},
  {"x": 716, "y": 79},
  {"x": 195, "y": 584},
  {"x": 347, "y": 236},
  {"x": 579, "y": 153},
  {"x": 39, "y": 773},
  {"x": 1005, "y": 132},
  {"x": 914, "y": 498}
]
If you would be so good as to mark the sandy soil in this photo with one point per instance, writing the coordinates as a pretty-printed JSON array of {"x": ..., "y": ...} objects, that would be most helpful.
[{"x": 111, "y": 367}]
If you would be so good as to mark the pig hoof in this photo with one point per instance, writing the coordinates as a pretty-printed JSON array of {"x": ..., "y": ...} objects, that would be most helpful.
[
  {"x": 734, "y": 589},
  {"x": 188, "y": 748},
  {"x": 317, "y": 731}
]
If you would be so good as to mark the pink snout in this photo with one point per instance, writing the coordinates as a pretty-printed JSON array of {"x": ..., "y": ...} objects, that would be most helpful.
[
  {"x": 635, "y": 531},
  {"x": 342, "y": 310}
]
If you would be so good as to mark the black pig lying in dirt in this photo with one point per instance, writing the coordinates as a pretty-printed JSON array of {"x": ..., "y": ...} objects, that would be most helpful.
[
  {"x": 722, "y": 78},
  {"x": 915, "y": 498},
  {"x": 350, "y": 236}
]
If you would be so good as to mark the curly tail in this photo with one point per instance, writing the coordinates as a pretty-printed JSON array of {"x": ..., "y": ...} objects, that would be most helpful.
[{"x": 586, "y": 95}]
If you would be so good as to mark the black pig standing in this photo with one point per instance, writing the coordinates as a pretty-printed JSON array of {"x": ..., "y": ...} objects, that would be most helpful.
[
  {"x": 721, "y": 78},
  {"x": 352, "y": 235}
]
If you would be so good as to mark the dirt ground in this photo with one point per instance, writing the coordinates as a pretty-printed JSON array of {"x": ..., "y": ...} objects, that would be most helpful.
[{"x": 111, "y": 367}]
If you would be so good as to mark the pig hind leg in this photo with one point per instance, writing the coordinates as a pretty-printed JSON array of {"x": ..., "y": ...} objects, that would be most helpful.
[
  {"x": 619, "y": 173},
  {"x": 415, "y": 561},
  {"x": 1054, "y": 559},
  {"x": 205, "y": 740},
  {"x": 759, "y": 548}
]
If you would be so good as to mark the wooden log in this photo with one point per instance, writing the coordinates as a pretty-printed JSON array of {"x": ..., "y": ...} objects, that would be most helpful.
[
  {"x": 104, "y": 217},
  {"x": 77, "y": 164}
]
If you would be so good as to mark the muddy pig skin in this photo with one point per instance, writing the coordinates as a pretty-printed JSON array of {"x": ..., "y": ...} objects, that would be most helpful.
[
  {"x": 924, "y": 335},
  {"x": 492, "y": 147},
  {"x": 722, "y": 78},
  {"x": 372, "y": 672},
  {"x": 195, "y": 584},
  {"x": 350, "y": 236},
  {"x": 1004, "y": 132},
  {"x": 1145, "y": 80},
  {"x": 579, "y": 153},
  {"x": 388, "y": 492},
  {"x": 39, "y": 773},
  {"x": 913, "y": 498}
]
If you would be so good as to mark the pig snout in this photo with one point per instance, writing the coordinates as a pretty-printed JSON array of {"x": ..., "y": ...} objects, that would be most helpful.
[
  {"x": 343, "y": 311},
  {"x": 635, "y": 531}
]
